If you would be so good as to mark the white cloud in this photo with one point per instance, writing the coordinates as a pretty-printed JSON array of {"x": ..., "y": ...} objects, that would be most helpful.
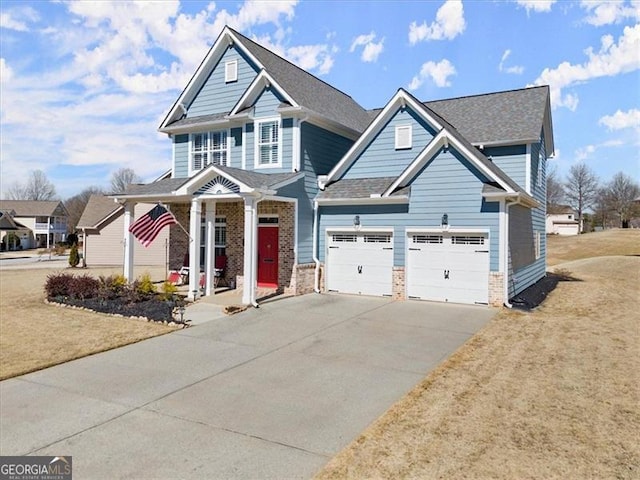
[
  {"x": 439, "y": 74},
  {"x": 6, "y": 73},
  {"x": 311, "y": 57},
  {"x": 536, "y": 5},
  {"x": 449, "y": 23},
  {"x": 622, "y": 120},
  {"x": 589, "y": 151},
  {"x": 516, "y": 69},
  {"x": 18, "y": 18},
  {"x": 612, "y": 59},
  {"x": 606, "y": 12},
  {"x": 371, "y": 50}
]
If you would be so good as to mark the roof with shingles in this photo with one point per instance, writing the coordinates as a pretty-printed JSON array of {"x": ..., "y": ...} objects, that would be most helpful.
[
  {"x": 497, "y": 118},
  {"x": 32, "y": 208},
  {"x": 360, "y": 188},
  {"x": 307, "y": 90},
  {"x": 8, "y": 223},
  {"x": 97, "y": 209},
  {"x": 256, "y": 179},
  {"x": 162, "y": 187}
]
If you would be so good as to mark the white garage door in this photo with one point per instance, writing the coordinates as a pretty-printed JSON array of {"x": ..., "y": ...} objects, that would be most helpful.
[
  {"x": 360, "y": 263},
  {"x": 448, "y": 267}
]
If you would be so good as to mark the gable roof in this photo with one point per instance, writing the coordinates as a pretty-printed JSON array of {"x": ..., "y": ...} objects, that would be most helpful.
[
  {"x": 306, "y": 90},
  {"x": 32, "y": 208},
  {"x": 500, "y": 118},
  {"x": 98, "y": 209},
  {"x": 370, "y": 189},
  {"x": 8, "y": 223}
]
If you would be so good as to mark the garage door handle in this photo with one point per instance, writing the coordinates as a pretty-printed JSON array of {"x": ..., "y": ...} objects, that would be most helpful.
[
  {"x": 482, "y": 251},
  {"x": 359, "y": 268},
  {"x": 415, "y": 249},
  {"x": 387, "y": 248},
  {"x": 446, "y": 274}
]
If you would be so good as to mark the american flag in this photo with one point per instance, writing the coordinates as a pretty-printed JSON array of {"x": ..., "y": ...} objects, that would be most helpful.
[{"x": 147, "y": 227}]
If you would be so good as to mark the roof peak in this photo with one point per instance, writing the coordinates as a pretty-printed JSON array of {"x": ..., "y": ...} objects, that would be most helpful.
[{"x": 486, "y": 94}]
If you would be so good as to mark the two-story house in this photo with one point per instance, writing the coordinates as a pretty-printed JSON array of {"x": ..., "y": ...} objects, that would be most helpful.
[
  {"x": 562, "y": 220},
  {"x": 45, "y": 221},
  {"x": 299, "y": 188}
]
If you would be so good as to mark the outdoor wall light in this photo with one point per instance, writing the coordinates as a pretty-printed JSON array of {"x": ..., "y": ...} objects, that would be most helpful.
[
  {"x": 356, "y": 221},
  {"x": 445, "y": 220}
]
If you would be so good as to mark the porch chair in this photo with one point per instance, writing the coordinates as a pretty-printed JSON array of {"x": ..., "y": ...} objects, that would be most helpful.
[{"x": 220, "y": 271}]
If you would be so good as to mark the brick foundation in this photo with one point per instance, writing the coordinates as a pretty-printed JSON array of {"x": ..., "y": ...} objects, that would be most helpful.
[
  {"x": 496, "y": 289},
  {"x": 398, "y": 292}
]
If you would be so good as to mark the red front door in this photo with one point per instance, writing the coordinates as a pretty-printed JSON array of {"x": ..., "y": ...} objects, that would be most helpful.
[{"x": 268, "y": 256}]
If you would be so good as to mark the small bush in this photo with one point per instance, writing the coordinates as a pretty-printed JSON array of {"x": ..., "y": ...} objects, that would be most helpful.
[
  {"x": 74, "y": 258},
  {"x": 145, "y": 286},
  {"x": 168, "y": 290},
  {"x": 112, "y": 286},
  {"x": 58, "y": 285},
  {"x": 83, "y": 287}
]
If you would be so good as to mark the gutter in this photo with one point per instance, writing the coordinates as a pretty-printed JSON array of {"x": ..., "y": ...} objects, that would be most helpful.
[
  {"x": 506, "y": 253},
  {"x": 316, "y": 274}
]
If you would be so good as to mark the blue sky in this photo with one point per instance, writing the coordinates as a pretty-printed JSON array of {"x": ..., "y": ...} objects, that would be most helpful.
[{"x": 85, "y": 85}]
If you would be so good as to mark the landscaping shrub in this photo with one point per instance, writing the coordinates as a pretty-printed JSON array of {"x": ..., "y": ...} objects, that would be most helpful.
[
  {"x": 58, "y": 285},
  {"x": 168, "y": 290},
  {"x": 112, "y": 286},
  {"x": 84, "y": 286},
  {"x": 145, "y": 286},
  {"x": 74, "y": 258}
]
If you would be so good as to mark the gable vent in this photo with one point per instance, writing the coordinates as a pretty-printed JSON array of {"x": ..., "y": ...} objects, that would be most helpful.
[{"x": 218, "y": 186}]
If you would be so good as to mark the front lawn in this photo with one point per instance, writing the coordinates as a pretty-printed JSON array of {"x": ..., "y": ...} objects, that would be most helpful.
[{"x": 34, "y": 335}]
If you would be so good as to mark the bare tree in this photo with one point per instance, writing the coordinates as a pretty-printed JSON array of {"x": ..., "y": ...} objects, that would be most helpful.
[
  {"x": 621, "y": 193},
  {"x": 75, "y": 205},
  {"x": 581, "y": 189},
  {"x": 37, "y": 187},
  {"x": 555, "y": 190},
  {"x": 123, "y": 177}
]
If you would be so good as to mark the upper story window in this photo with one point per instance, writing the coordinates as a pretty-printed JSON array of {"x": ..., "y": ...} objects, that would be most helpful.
[
  {"x": 403, "y": 136},
  {"x": 208, "y": 148},
  {"x": 268, "y": 143},
  {"x": 231, "y": 71}
]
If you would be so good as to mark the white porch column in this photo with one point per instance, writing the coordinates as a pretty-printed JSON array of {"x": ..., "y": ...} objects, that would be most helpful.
[
  {"x": 49, "y": 231},
  {"x": 210, "y": 263},
  {"x": 128, "y": 241},
  {"x": 194, "y": 248},
  {"x": 250, "y": 251}
]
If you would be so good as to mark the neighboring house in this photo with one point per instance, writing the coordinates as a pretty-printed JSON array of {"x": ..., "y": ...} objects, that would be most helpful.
[
  {"x": 101, "y": 224},
  {"x": 46, "y": 221},
  {"x": 13, "y": 235},
  {"x": 299, "y": 188},
  {"x": 561, "y": 220}
]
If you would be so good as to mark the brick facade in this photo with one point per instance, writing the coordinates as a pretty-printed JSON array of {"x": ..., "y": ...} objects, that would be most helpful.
[
  {"x": 178, "y": 238},
  {"x": 398, "y": 292},
  {"x": 496, "y": 289}
]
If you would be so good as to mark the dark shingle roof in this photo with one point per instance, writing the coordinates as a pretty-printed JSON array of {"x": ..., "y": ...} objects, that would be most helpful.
[
  {"x": 257, "y": 179},
  {"x": 98, "y": 208},
  {"x": 359, "y": 188},
  {"x": 31, "y": 208},
  {"x": 202, "y": 119},
  {"x": 308, "y": 90},
  {"x": 501, "y": 117},
  {"x": 8, "y": 223},
  {"x": 161, "y": 187}
]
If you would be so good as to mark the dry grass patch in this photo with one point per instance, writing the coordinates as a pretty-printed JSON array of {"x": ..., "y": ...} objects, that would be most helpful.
[
  {"x": 34, "y": 335},
  {"x": 597, "y": 244},
  {"x": 552, "y": 393}
]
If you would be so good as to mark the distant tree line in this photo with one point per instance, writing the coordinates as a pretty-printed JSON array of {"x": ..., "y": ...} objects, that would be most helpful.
[{"x": 598, "y": 204}]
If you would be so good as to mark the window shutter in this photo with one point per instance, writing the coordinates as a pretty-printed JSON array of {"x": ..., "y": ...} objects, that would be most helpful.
[
  {"x": 403, "y": 136},
  {"x": 231, "y": 71}
]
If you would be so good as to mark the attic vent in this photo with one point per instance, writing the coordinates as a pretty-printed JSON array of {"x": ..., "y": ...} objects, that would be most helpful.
[
  {"x": 231, "y": 71},
  {"x": 218, "y": 186},
  {"x": 403, "y": 136}
]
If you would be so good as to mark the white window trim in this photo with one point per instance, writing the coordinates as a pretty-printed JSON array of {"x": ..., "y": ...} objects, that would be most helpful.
[
  {"x": 537, "y": 246},
  {"x": 398, "y": 136},
  {"x": 191, "y": 169},
  {"x": 540, "y": 164},
  {"x": 231, "y": 67},
  {"x": 256, "y": 142}
]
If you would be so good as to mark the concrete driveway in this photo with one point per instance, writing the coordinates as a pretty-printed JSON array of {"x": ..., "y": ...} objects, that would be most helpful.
[{"x": 273, "y": 392}]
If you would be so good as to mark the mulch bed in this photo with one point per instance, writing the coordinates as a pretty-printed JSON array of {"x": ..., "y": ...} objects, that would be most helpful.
[{"x": 531, "y": 297}]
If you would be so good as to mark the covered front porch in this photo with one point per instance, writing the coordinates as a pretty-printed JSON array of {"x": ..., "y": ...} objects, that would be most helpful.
[{"x": 245, "y": 231}]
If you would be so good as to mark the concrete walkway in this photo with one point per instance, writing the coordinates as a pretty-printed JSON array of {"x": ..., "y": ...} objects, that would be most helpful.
[{"x": 272, "y": 392}]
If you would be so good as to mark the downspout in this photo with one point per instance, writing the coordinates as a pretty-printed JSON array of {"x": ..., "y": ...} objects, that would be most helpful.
[
  {"x": 506, "y": 254},
  {"x": 316, "y": 276},
  {"x": 254, "y": 233}
]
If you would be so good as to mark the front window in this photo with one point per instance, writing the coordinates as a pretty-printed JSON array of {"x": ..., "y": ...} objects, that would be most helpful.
[
  {"x": 220, "y": 238},
  {"x": 267, "y": 144},
  {"x": 208, "y": 148}
]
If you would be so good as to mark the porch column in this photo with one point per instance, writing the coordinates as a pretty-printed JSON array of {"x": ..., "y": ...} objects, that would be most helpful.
[
  {"x": 49, "y": 232},
  {"x": 250, "y": 251},
  {"x": 128, "y": 242},
  {"x": 194, "y": 248},
  {"x": 210, "y": 263}
]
